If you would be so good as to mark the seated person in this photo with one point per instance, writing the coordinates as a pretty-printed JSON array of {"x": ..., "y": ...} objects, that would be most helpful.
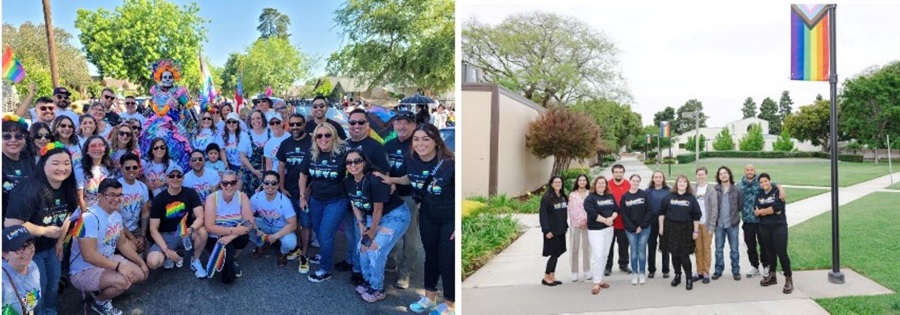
[
  {"x": 135, "y": 209},
  {"x": 21, "y": 278},
  {"x": 275, "y": 217},
  {"x": 174, "y": 211}
]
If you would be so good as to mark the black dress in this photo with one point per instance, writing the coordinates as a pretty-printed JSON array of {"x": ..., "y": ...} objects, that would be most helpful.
[
  {"x": 553, "y": 214},
  {"x": 681, "y": 210}
]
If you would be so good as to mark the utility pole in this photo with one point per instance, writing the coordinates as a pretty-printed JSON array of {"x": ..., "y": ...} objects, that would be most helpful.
[
  {"x": 696, "y": 116},
  {"x": 51, "y": 44}
]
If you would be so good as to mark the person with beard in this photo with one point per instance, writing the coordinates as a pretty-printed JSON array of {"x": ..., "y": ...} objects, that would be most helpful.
[
  {"x": 174, "y": 205},
  {"x": 60, "y": 99},
  {"x": 201, "y": 178},
  {"x": 749, "y": 186},
  {"x": 319, "y": 108},
  {"x": 291, "y": 154},
  {"x": 131, "y": 110},
  {"x": 110, "y": 113},
  {"x": 405, "y": 253},
  {"x": 617, "y": 187},
  {"x": 43, "y": 111},
  {"x": 18, "y": 165}
]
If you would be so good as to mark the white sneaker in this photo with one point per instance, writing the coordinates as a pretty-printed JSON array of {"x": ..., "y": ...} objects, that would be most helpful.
[
  {"x": 588, "y": 276},
  {"x": 765, "y": 272},
  {"x": 574, "y": 277},
  {"x": 753, "y": 272},
  {"x": 197, "y": 267},
  {"x": 168, "y": 264},
  {"x": 643, "y": 278},
  {"x": 634, "y": 279},
  {"x": 179, "y": 263}
]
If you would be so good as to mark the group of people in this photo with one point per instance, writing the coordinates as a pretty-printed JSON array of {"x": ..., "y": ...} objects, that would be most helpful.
[
  {"x": 682, "y": 220},
  {"x": 86, "y": 205}
]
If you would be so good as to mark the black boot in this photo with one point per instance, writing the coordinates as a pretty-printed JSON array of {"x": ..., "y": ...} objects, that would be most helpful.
[
  {"x": 689, "y": 283},
  {"x": 677, "y": 280}
]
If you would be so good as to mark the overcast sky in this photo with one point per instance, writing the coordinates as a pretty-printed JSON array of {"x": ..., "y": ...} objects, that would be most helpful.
[{"x": 716, "y": 53}]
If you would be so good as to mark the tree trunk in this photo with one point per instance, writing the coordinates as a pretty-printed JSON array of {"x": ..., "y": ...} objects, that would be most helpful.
[
  {"x": 51, "y": 44},
  {"x": 559, "y": 164}
]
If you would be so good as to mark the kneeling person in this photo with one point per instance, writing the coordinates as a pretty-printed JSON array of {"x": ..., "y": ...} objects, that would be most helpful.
[
  {"x": 275, "y": 216},
  {"x": 95, "y": 268},
  {"x": 175, "y": 213}
]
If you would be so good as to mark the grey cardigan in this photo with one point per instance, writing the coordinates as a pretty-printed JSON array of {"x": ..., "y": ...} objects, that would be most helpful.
[{"x": 714, "y": 196}]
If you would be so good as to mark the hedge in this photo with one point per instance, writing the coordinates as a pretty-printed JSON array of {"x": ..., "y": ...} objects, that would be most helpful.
[{"x": 688, "y": 158}]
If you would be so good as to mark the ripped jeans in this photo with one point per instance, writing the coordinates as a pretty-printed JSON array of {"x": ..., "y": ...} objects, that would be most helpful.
[{"x": 372, "y": 260}]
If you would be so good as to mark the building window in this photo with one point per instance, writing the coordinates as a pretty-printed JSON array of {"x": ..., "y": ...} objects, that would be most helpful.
[{"x": 681, "y": 145}]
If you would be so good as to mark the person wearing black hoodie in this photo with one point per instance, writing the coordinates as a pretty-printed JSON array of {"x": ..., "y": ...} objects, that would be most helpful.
[
  {"x": 637, "y": 217},
  {"x": 679, "y": 222},
  {"x": 656, "y": 192},
  {"x": 773, "y": 232},
  {"x": 553, "y": 214},
  {"x": 600, "y": 207}
]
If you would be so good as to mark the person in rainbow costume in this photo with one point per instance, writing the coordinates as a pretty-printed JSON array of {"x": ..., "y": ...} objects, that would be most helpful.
[{"x": 171, "y": 114}]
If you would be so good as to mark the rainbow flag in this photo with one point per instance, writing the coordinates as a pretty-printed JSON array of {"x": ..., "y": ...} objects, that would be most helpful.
[
  {"x": 216, "y": 260},
  {"x": 665, "y": 129},
  {"x": 183, "y": 227},
  {"x": 207, "y": 90},
  {"x": 811, "y": 42},
  {"x": 174, "y": 209},
  {"x": 78, "y": 229},
  {"x": 12, "y": 68}
]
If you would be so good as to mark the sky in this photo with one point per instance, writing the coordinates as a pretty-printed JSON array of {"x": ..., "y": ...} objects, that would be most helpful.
[
  {"x": 232, "y": 24},
  {"x": 716, "y": 53}
]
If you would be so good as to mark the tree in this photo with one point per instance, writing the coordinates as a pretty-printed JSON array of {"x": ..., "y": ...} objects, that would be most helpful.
[
  {"x": 691, "y": 144},
  {"x": 122, "y": 44},
  {"x": 749, "y": 108},
  {"x": 326, "y": 88},
  {"x": 619, "y": 123},
  {"x": 753, "y": 140},
  {"x": 230, "y": 72},
  {"x": 29, "y": 41},
  {"x": 683, "y": 124},
  {"x": 811, "y": 124},
  {"x": 819, "y": 97},
  {"x": 640, "y": 142},
  {"x": 785, "y": 105},
  {"x": 870, "y": 104},
  {"x": 549, "y": 58},
  {"x": 273, "y": 24},
  {"x": 667, "y": 114},
  {"x": 768, "y": 111},
  {"x": 273, "y": 62},
  {"x": 563, "y": 134},
  {"x": 397, "y": 42},
  {"x": 723, "y": 141},
  {"x": 784, "y": 142}
]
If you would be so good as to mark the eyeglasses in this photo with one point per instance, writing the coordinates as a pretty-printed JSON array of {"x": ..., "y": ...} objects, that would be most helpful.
[
  {"x": 356, "y": 122},
  {"x": 67, "y": 126},
  {"x": 280, "y": 108},
  {"x": 109, "y": 97},
  {"x": 130, "y": 103},
  {"x": 197, "y": 159},
  {"x": 46, "y": 108},
  {"x": 297, "y": 124},
  {"x": 125, "y": 133},
  {"x": 131, "y": 168},
  {"x": 325, "y": 135},
  {"x": 318, "y": 106},
  {"x": 17, "y": 135},
  {"x": 42, "y": 136},
  {"x": 62, "y": 97},
  {"x": 207, "y": 118},
  {"x": 269, "y": 183},
  {"x": 232, "y": 121},
  {"x": 229, "y": 183},
  {"x": 97, "y": 146},
  {"x": 113, "y": 195},
  {"x": 175, "y": 175},
  {"x": 159, "y": 147},
  {"x": 274, "y": 122},
  {"x": 354, "y": 161}
]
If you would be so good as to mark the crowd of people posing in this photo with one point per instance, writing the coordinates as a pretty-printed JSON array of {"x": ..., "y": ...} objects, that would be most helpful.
[
  {"x": 83, "y": 206},
  {"x": 682, "y": 220}
]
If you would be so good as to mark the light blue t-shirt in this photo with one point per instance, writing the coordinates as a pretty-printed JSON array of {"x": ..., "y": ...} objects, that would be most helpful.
[
  {"x": 204, "y": 185},
  {"x": 232, "y": 147},
  {"x": 134, "y": 197},
  {"x": 136, "y": 115},
  {"x": 91, "y": 186},
  {"x": 105, "y": 228},
  {"x": 29, "y": 286},
  {"x": 271, "y": 149},
  {"x": 273, "y": 213},
  {"x": 205, "y": 137}
]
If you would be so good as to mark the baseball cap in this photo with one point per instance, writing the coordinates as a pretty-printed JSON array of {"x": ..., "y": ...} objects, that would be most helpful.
[
  {"x": 273, "y": 114},
  {"x": 14, "y": 237},
  {"x": 232, "y": 115},
  {"x": 61, "y": 90},
  {"x": 172, "y": 168}
]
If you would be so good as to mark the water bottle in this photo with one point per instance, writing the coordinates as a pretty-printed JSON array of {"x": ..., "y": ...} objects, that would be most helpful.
[{"x": 186, "y": 241}]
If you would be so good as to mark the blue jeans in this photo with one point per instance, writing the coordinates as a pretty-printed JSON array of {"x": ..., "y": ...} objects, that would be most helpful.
[
  {"x": 351, "y": 231},
  {"x": 288, "y": 241},
  {"x": 732, "y": 234},
  {"x": 638, "y": 244},
  {"x": 50, "y": 267},
  {"x": 392, "y": 228},
  {"x": 326, "y": 216}
]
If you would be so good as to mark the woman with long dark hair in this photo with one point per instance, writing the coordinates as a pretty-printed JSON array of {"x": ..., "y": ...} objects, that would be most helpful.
[
  {"x": 679, "y": 222},
  {"x": 43, "y": 205},
  {"x": 252, "y": 157},
  {"x": 656, "y": 192},
  {"x": 64, "y": 132},
  {"x": 87, "y": 127},
  {"x": 232, "y": 139},
  {"x": 553, "y": 226},
  {"x": 122, "y": 140},
  {"x": 95, "y": 167},
  {"x": 156, "y": 165},
  {"x": 18, "y": 166},
  {"x": 41, "y": 135},
  {"x": 578, "y": 227}
]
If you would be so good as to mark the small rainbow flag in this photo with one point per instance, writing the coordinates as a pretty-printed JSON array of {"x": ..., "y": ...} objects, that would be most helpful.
[
  {"x": 182, "y": 227},
  {"x": 665, "y": 129},
  {"x": 12, "y": 68},
  {"x": 78, "y": 229},
  {"x": 260, "y": 239},
  {"x": 811, "y": 42},
  {"x": 174, "y": 209},
  {"x": 216, "y": 259}
]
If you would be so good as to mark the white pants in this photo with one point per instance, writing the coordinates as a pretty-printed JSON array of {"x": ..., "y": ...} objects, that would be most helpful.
[
  {"x": 600, "y": 242},
  {"x": 578, "y": 240}
]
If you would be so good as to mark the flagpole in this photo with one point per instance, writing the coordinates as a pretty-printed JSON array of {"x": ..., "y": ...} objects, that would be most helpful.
[{"x": 835, "y": 276}]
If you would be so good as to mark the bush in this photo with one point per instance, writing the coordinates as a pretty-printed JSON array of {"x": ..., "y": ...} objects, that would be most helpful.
[
  {"x": 784, "y": 142},
  {"x": 689, "y": 158},
  {"x": 471, "y": 207},
  {"x": 753, "y": 141},
  {"x": 563, "y": 134},
  {"x": 484, "y": 235},
  {"x": 723, "y": 141},
  {"x": 690, "y": 145}
]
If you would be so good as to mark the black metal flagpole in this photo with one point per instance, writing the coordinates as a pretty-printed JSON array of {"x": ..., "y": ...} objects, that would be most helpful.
[{"x": 835, "y": 276}]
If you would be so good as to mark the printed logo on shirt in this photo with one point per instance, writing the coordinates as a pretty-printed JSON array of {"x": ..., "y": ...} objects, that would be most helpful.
[
  {"x": 683, "y": 203},
  {"x": 111, "y": 237},
  {"x": 768, "y": 200},
  {"x": 606, "y": 202},
  {"x": 7, "y": 186},
  {"x": 560, "y": 205},
  {"x": 270, "y": 216},
  {"x": 18, "y": 172},
  {"x": 295, "y": 160},
  {"x": 638, "y": 201},
  {"x": 31, "y": 299}
]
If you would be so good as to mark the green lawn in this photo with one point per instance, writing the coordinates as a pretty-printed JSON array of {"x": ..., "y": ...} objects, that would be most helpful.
[
  {"x": 870, "y": 245},
  {"x": 797, "y": 194},
  {"x": 896, "y": 184},
  {"x": 804, "y": 172}
]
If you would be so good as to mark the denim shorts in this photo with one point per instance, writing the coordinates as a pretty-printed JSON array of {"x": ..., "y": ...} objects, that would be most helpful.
[{"x": 302, "y": 216}]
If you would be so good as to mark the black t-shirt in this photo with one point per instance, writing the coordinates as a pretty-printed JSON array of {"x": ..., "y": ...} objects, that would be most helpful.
[
  {"x": 325, "y": 175},
  {"x": 372, "y": 149},
  {"x": 311, "y": 127},
  {"x": 30, "y": 206},
  {"x": 771, "y": 199},
  {"x": 681, "y": 208},
  {"x": 170, "y": 209},
  {"x": 15, "y": 172},
  {"x": 599, "y": 205},
  {"x": 396, "y": 152},
  {"x": 291, "y": 155},
  {"x": 370, "y": 190},
  {"x": 438, "y": 198},
  {"x": 112, "y": 118},
  {"x": 635, "y": 211}
]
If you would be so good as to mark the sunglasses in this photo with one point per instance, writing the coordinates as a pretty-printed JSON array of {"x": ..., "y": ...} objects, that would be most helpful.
[
  {"x": 297, "y": 124},
  {"x": 42, "y": 136},
  {"x": 17, "y": 135},
  {"x": 207, "y": 118},
  {"x": 274, "y": 122},
  {"x": 130, "y": 103},
  {"x": 354, "y": 161},
  {"x": 109, "y": 97},
  {"x": 65, "y": 126},
  {"x": 323, "y": 135},
  {"x": 159, "y": 147},
  {"x": 131, "y": 168},
  {"x": 125, "y": 133},
  {"x": 270, "y": 183},
  {"x": 62, "y": 97},
  {"x": 175, "y": 175},
  {"x": 97, "y": 146},
  {"x": 229, "y": 183},
  {"x": 318, "y": 106},
  {"x": 46, "y": 108},
  {"x": 356, "y": 122},
  {"x": 231, "y": 122},
  {"x": 197, "y": 159}
]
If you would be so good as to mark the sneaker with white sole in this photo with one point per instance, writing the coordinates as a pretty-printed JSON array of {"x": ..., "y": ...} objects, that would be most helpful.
[
  {"x": 402, "y": 282},
  {"x": 168, "y": 264},
  {"x": 634, "y": 279},
  {"x": 295, "y": 254},
  {"x": 422, "y": 305},
  {"x": 179, "y": 263},
  {"x": 765, "y": 272},
  {"x": 373, "y": 295},
  {"x": 197, "y": 267},
  {"x": 105, "y": 308},
  {"x": 362, "y": 288},
  {"x": 237, "y": 270},
  {"x": 643, "y": 278},
  {"x": 442, "y": 309},
  {"x": 574, "y": 277},
  {"x": 303, "y": 268},
  {"x": 315, "y": 259},
  {"x": 319, "y": 276},
  {"x": 753, "y": 272}
]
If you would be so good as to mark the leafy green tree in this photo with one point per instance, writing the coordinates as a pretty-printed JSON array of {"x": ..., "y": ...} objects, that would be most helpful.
[
  {"x": 785, "y": 105},
  {"x": 768, "y": 110},
  {"x": 123, "y": 43},
  {"x": 326, "y": 88},
  {"x": 871, "y": 105},
  {"x": 397, "y": 42},
  {"x": 547, "y": 57},
  {"x": 749, "y": 108},
  {"x": 29, "y": 42},
  {"x": 667, "y": 114},
  {"x": 563, "y": 134},
  {"x": 619, "y": 123},
  {"x": 230, "y": 72},
  {"x": 723, "y": 141},
  {"x": 691, "y": 144},
  {"x": 273, "y": 62},
  {"x": 273, "y": 24},
  {"x": 784, "y": 142},
  {"x": 753, "y": 140},
  {"x": 811, "y": 124},
  {"x": 682, "y": 123}
]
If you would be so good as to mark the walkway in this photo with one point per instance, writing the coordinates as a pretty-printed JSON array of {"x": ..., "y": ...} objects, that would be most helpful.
[{"x": 510, "y": 283}]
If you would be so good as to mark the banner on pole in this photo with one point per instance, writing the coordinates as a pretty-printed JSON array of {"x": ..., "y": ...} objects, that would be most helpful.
[
  {"x": 665, "y": 129},
  {"x": 810, "y": 42}
]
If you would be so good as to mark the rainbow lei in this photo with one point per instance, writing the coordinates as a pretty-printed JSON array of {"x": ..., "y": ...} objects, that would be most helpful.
[
  {"x": 216, "y": 259},
  {"x": 15, "y": 118},
  {"x": 51, "y": 146}
]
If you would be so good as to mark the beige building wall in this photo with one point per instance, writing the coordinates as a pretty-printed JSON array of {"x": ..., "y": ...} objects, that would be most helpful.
[
  {"x": 476, "y": 136},
  {"x": 519, "y": 171}
]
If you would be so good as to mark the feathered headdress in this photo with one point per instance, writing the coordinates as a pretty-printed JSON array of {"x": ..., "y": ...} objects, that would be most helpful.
[{"x": 163, "y": 65}]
